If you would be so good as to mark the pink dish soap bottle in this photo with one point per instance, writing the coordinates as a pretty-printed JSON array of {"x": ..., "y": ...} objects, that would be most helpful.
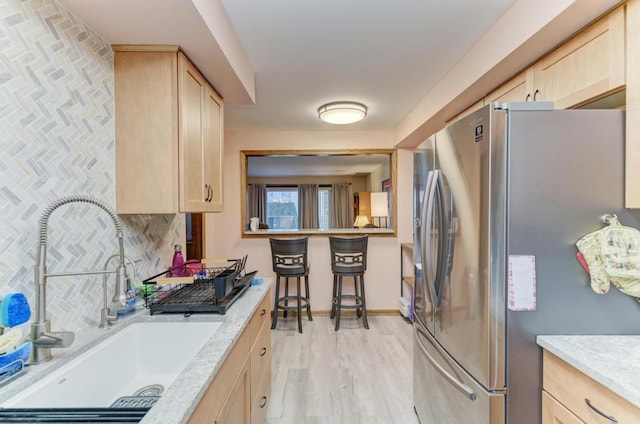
[{"x": 178, "y": 260}]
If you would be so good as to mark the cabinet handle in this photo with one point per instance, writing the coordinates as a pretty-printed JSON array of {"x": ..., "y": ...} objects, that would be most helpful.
[
  {"x": 264, "y": 402},
  {"x": 526, "y": 99},
  {"x": 263, "y": 313},
  {"x": 535, "y": 95},
  {"x": 206, "y": 197},
  {"x": 210, "y": 191},
  {"x": 263, "y": 351},
  {"x": 609, "y": 417}
]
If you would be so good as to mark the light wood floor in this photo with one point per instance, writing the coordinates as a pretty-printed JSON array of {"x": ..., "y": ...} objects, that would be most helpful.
[{"x": 350, "y": 376}]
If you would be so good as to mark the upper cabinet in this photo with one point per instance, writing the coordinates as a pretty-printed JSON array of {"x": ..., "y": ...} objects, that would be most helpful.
[
  {"x": 517, "y": 89},
  {"x": 169, "y": 133},
  {"x": 588, "y": 66}
]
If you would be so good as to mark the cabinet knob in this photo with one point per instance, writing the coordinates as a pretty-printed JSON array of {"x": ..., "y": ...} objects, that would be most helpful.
[
  {"x": 526, "y": 99},
  {"x": 263, "y": 351},
  {"x": 264, "y": 402},
  {"x": 263, "y": 313}
]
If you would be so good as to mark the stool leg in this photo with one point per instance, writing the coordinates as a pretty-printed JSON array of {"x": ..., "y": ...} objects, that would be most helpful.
[
  {"x": 274, "y": 320},
  {"x": 333, "y": 297},
  {"x": 306, "y": 293},
  {"x": 286, "y": 295},
  {"x": 364, "y": 304},
  {"x": 299, "y": 306},
  {"x": 357, "y": 294},
  {"x": 338, "y": 302}
]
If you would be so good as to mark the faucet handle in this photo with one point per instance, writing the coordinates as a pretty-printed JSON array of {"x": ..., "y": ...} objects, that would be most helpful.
[{"x": 55, "y": 339}]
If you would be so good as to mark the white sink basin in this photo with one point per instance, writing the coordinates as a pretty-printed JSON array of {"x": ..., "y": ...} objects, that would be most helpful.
[{"x": 141, "y": 355}]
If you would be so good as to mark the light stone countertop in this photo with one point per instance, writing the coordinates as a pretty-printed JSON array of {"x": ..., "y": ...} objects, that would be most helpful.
[
  {"x": 179, "y": 400},
  {"x": 613, "y": 361}
]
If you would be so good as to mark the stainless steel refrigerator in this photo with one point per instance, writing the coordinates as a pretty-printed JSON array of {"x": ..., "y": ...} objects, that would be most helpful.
[{"x": 500, "y": 198}]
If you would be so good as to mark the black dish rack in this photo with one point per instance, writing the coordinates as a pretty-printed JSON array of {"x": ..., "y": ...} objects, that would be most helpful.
[{"x": 214, "y": 293}]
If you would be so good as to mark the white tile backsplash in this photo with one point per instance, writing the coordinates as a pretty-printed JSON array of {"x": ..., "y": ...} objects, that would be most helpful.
[{"x": 57, "y": 139}]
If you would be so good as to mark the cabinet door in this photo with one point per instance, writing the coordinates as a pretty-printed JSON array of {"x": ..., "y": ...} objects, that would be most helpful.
[
  {"x": 517, "y": 89},
  {"x": 589, "y": 66},
  {"x": 632, "y": 147},
  {"x": 191, "y": 92},
  {"x": 553, "y": 412},
  {"x": 237, "y": 408},
  {"x": 146, "y": 125},
  {"x": 213, "y": 149}
]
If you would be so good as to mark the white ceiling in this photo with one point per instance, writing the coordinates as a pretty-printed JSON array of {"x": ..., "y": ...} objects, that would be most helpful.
[{"x": 383, "y": 53}]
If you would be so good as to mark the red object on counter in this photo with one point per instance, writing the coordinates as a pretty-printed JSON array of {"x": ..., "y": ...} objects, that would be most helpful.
[{"x": 583, "y": 262}]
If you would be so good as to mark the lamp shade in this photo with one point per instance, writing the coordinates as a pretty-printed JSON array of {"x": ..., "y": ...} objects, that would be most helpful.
[
  {"x": 341, "y": 113},
  {"x": 379, "y": 204},
  {"x": 361, "y": 221}
]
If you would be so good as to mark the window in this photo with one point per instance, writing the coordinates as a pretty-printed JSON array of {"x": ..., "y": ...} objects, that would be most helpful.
[
  {"x": 323, "y": 207},
  {"x": 282, "y": 208}
]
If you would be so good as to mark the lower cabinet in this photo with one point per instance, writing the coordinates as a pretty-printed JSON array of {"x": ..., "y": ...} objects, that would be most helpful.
[
  {"x": 571, "y": 397},
  {"x": 241, "y": 391}
]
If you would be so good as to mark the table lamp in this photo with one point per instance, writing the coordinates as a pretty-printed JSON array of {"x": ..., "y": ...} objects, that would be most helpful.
[
  {"x": 361, "y": 221},
  {"x": 380, "y": 207}
]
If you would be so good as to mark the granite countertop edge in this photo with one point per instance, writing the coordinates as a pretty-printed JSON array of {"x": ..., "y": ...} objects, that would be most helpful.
[
  {"x": 611, "y": 360},
  {"x": 180, "y": 399}
]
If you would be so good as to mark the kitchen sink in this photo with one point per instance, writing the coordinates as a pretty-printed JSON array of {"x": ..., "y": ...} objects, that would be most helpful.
[{"x": 143, "y": 359}]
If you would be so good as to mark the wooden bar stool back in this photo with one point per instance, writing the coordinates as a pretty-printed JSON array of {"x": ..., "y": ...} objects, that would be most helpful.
[
  {"x": 289, "y": 259},
  {"x": 349, "y": 259}
]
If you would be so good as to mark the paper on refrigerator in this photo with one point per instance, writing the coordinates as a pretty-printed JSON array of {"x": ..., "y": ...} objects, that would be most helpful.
[{"x": 522, "y": 283}]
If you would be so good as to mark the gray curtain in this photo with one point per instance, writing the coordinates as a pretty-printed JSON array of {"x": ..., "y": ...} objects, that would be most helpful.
[
  {"x": 257, "y": 202},
  {"x": 340, "y": 207},
  {"x": 308, "y": 206}
]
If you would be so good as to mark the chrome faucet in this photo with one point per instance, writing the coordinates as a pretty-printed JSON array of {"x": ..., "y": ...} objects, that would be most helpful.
[
  {"x": 43, "y": 338},
  {"x": 105, "y": 318}
]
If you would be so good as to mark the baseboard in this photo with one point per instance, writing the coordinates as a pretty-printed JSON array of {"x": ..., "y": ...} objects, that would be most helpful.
[{"x": 321, "y": 313}]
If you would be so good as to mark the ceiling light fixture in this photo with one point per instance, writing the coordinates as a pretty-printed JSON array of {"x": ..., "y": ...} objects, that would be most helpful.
[{"x": 341, "y": 113}]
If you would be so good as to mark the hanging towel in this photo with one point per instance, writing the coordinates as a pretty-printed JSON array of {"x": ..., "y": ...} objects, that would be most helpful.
[{"x": 613, "y": 257}]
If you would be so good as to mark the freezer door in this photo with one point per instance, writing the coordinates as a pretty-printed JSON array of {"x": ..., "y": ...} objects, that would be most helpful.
[
  {"x": 423, "y": 166},
  {"x": 444, "y": 393},
  {"x": 470, "y": 307}
]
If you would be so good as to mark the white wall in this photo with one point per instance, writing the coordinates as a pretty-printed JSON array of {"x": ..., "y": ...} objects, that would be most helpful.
[{"x": 223, "y": 230}]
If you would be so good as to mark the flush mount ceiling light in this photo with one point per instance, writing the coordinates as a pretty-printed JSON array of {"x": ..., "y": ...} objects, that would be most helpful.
[{"x": 341, "y": 113}]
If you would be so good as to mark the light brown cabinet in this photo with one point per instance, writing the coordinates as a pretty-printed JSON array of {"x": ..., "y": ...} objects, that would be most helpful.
[
  {"x": 571, "y": 397},
  {"x": 169, "y": 133},
  {"x": 517, "y": 89},
  {"x": 632, "y": 152},
  {"x": 588, "y": 66},
  {"x": 241, "y": 391}
]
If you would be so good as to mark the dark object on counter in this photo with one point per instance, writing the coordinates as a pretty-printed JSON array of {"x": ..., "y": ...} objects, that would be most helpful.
[
  {"x": 72, "y": 415},
  {"x": 207, "y": 295}
]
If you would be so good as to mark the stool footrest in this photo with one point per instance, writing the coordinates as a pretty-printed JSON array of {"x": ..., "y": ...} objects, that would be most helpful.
[{"x": 304, "y": 302}]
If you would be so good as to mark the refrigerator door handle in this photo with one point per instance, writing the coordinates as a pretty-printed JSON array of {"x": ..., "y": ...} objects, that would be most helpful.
[
  {"x": 460, "y": 385},
  {"x": 428, "y": 274},
  {"x": 442, "y": 240}
]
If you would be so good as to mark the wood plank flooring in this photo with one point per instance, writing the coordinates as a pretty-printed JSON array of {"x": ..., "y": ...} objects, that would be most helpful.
[{"x": 350, "y": 376}]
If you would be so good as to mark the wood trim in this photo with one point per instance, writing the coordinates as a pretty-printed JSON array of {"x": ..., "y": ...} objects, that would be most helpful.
[
  {"x": 243, "y": 188},
  {"x": 145, "y": 48}
]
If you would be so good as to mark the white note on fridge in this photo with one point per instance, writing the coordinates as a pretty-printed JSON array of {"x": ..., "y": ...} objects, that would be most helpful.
[{"x": 522, "y": 283}]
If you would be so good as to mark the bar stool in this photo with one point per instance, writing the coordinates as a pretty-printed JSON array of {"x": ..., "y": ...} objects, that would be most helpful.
[
  {"x": 289, "y": 259},
  {"x": 349, "y": 259}
]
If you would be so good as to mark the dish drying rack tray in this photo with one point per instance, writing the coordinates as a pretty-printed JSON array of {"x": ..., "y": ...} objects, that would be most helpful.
[
  {"x": 215, "y": 293},
  {"x": 11, "y": 370}
]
